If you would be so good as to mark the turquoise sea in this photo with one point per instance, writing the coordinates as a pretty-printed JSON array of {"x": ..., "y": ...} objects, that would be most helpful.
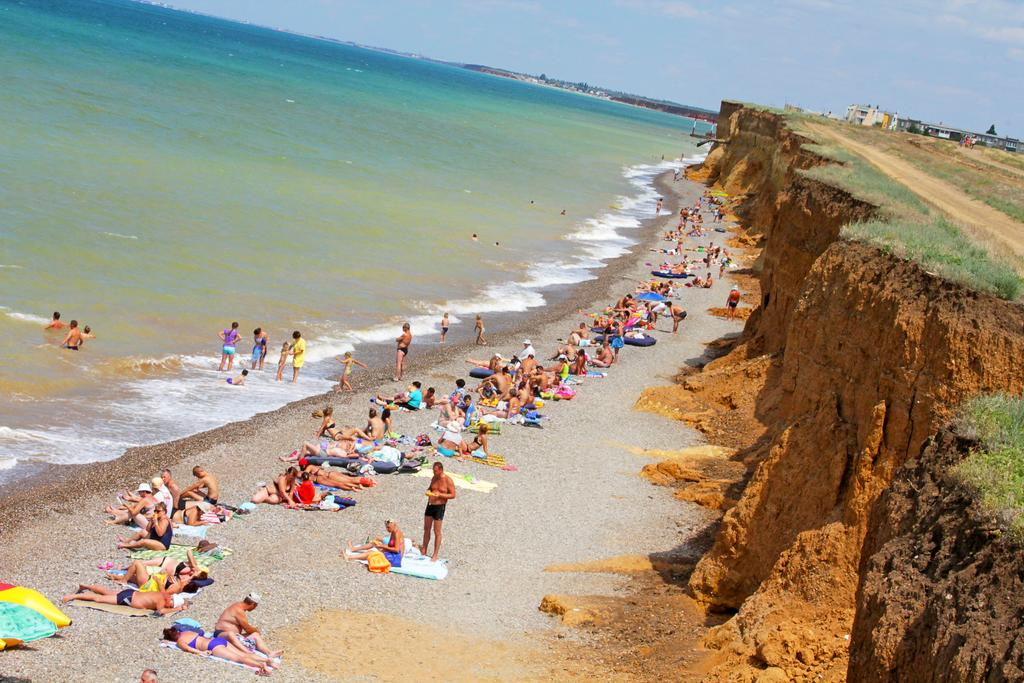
[{"x": 164, "y": 173}]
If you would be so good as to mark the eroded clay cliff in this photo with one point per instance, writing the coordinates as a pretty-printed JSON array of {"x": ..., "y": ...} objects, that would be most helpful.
[{"x": 870, "y": 354}]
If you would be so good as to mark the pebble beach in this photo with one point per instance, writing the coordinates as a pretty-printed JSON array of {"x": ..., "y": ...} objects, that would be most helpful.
[{"x": 574, "y": 496}]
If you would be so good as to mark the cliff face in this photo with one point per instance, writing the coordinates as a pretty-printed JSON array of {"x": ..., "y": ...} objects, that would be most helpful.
[
  {"x": 873, "y": 354},
  {"x": 940, "y": 593}
]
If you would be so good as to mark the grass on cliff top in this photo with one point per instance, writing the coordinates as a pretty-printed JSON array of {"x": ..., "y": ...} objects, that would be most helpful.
[
  {"x": 996, "y": 469},
  {"x": 908, "y": 228}
]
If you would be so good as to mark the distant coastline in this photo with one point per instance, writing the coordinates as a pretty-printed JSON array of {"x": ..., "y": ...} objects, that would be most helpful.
[{"x": 666, "y": 106}]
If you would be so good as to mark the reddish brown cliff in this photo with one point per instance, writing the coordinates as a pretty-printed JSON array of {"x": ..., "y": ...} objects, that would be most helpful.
[{"x": 871, "y": 355}]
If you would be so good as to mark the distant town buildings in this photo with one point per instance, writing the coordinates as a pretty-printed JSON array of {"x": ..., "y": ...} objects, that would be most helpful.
[{"x": 869, "y": 115}]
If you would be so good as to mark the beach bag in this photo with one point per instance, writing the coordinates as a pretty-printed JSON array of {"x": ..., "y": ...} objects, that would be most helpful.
[
  {"x": 423, "y": 441},
  {"x": 377, "y": 563}
]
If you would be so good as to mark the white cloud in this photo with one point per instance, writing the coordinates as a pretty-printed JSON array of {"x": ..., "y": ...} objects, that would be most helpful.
[{"x": 670, "y": 8}]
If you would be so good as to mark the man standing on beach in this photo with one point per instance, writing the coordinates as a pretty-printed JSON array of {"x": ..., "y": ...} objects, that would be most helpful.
[
  {"x": 403, "y": 341},
  {"x": 234, "y": 625},
  {"x": 733, "y": 301},
  {"x": 440, "y": 491}
]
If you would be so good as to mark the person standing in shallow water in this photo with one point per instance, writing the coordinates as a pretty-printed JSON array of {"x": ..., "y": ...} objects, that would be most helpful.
[
  {"x": 298, "y": 354},
  {"x": 403, "y": 342},
  {"x": 228, "y": 338},
  {"x": 444, "y": 326}
]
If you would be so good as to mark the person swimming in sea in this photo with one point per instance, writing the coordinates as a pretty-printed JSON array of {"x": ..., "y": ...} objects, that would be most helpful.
[
  {"x": 238, "y": 381},
  {"x": 73, "y": 339},
  {"x": 55, "y": 323}
]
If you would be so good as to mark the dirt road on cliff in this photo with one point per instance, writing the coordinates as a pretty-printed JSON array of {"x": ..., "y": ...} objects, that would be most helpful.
[{"x": 951, "y": 200}]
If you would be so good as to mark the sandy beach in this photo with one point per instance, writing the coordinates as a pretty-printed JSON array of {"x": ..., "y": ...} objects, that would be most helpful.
[{"x": 575, "y": 497}]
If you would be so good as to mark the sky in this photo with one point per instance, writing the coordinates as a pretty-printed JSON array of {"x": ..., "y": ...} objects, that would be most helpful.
[{"x": 960, "y": 62}]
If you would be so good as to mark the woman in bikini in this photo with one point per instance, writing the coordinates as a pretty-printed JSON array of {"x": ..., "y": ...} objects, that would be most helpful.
[
  {"x": 190, "y": 641},
  {"x": 333, "y": 479},
  {"x": 477, "y": 445}
]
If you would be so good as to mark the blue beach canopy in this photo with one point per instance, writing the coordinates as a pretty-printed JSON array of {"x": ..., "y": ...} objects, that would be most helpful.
[{"x": 651, "y": 296}]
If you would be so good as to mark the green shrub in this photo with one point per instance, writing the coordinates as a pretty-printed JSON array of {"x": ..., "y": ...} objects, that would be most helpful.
[{"x": 996, "y": 468}]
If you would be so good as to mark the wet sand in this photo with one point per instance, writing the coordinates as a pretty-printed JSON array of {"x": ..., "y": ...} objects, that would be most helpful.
[{"x": 574, "y": 498}]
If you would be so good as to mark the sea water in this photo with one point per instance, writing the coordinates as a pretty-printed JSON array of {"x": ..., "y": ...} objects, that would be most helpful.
[{"x": 163, "y": 174}]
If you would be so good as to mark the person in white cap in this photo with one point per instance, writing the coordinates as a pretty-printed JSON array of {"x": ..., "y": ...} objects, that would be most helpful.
[
  {"x": 233, "y": 624},
  {"x": 527, "y": 351},
  {"x": 134, "y": 507}
]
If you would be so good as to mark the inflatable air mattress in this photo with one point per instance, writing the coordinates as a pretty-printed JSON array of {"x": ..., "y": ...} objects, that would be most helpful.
[
  {"x": 19, "y": 624},
  {"x": 481, "y": 373},
  {"x": 669, "y": 276},
  {"x": 378, "y": 466},
  {"x": 640, "y": 341}
]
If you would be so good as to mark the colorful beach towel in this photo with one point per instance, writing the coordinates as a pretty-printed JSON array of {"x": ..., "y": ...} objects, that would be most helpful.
[
  {"x": 463, "y": 481},
  {"x": 494, "y": 460},
  {"x": 114, "y": 609},
  {"x": 180, "y": 553}
]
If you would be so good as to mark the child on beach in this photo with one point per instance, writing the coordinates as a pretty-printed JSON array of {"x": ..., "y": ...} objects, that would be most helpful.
[
  {"x": 444, "y": 326},
  {"x": 348, "y": 361},
  {"x": 282, "y": 360},
  {"x": 480, "y": 341},
  {"x": 238, "y": 381}
]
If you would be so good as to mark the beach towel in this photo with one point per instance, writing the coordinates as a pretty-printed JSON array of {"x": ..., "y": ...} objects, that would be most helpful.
[
  {"x": 114, "y": 609},
  {"x": 494, "y": 460},
  {"x": 180, "y": 553},
  {"x": 416, "y": 564},
  {"x": 463, "y": 481}
]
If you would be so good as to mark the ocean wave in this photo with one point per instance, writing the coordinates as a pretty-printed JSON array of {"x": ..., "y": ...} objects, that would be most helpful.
[
  {"x": 140, "y": 367},
  {"x": 24, "y": 317},
  {"x": 120, "y": 236},
  {"x": 11, "y": 266},
  {"x": 8, "y": 463}
]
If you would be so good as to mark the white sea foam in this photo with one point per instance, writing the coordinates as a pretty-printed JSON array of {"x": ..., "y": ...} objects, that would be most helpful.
[
  {"x": 12, "y": 266},
  {"x": 120, "y": 236},
  {"x": 154, "y": 406},
  {"x": 24, "y": 317}
]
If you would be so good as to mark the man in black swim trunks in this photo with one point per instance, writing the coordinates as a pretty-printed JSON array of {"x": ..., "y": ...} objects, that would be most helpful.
[
  {"x": 159, "y": 601},
  {"x": 440, "y": 491}
]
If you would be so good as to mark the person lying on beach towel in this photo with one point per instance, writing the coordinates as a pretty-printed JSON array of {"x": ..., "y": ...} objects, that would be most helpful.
[
  {"x": 169, "y": 575},
  {"x": 494, "y": 364},
  {"x": 324, "y": 477},
  {"x": 393, "y": 548},
  {"x": 156, "y": 535},
  {"x": 190, "y": 641},
  {"x": 159, "y": 601}
]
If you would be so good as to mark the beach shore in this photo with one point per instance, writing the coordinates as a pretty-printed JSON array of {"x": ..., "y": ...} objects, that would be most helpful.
[{"x": 574, "y": 498}]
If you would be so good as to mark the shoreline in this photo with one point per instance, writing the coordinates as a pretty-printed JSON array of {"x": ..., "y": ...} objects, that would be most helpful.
[
  {"x": 33, "y": 493},
  {"x": 575, "y": 497}
]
